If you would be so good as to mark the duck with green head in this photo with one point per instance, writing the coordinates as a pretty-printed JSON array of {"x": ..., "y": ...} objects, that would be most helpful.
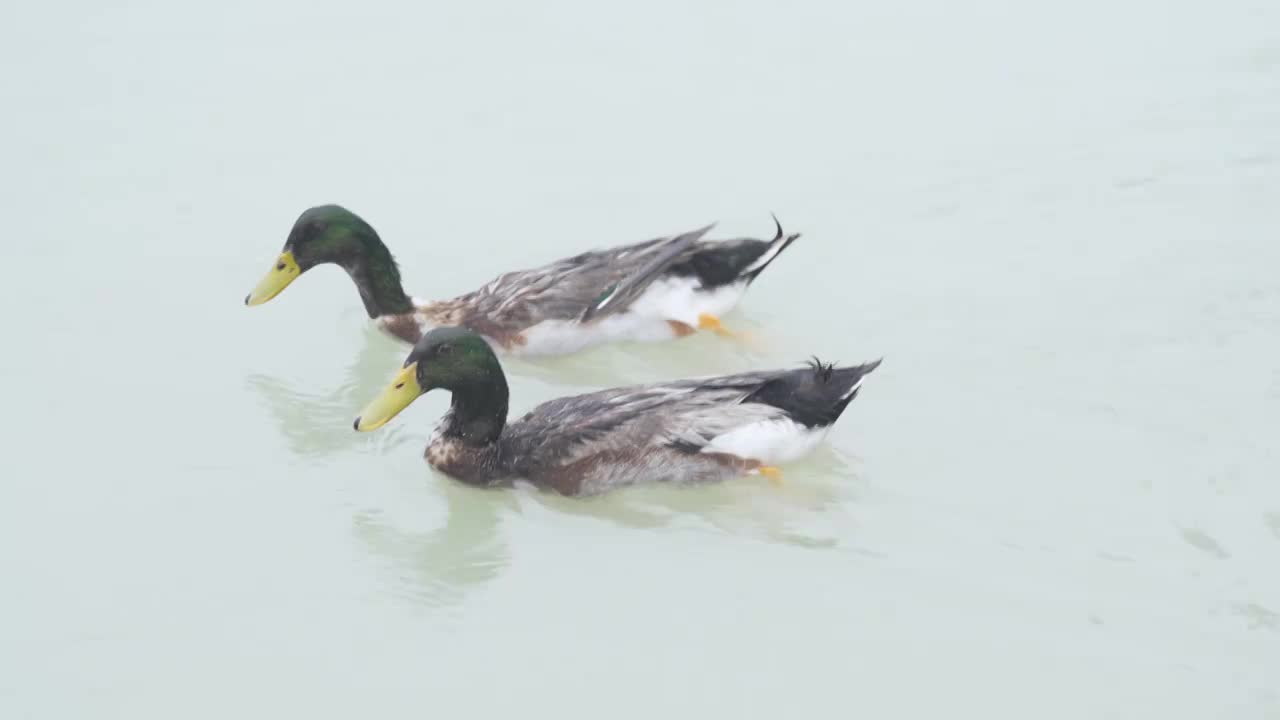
[
  {"x": 686, "y": 432},
  {"x": 654, "y": 290}
]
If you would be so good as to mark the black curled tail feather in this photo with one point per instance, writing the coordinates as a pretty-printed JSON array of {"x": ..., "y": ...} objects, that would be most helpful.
[
  {"x": 733, "y": 261},
  {"x": 780, "y": 241},
  {"x": 848, "y": 381},
  {"x": 816, "y": 395}
]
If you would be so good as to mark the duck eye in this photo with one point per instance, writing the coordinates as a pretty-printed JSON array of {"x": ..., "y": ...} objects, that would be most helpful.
[{"x": 445, "y": 350}]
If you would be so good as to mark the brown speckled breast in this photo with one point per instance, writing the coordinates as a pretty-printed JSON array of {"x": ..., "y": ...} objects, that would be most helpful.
[
  {"x": 455, "y": 312},
  {"x": 404, "y": 327},
  {"x": 466, "y": 463}
]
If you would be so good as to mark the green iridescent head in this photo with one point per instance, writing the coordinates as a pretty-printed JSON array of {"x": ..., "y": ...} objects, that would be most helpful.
[
  {"x": 453, "y": 359},
  {"x": 332, "y": 234}
]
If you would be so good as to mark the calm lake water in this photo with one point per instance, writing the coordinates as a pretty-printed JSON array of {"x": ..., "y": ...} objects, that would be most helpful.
[{"x": 1058, "y": 498}]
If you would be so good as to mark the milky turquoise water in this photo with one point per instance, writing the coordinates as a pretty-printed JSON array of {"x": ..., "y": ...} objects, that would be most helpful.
[{"x": 1058, "y": 498}]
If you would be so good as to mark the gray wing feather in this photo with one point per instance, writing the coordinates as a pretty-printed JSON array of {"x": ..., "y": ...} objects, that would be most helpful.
[
  {"x": 631, "y": 287},
  {"x": 578, "y": 288},
  {"x": 684, "y": 415}
]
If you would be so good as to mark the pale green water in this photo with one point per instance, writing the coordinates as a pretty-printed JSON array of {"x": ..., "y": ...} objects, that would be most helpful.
[{"x": 1057, "y": 498}]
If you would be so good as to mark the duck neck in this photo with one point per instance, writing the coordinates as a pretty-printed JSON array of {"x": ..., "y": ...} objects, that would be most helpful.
[
  {"x": 479, "y": 412},
  {"x": 377, "y": 277}
]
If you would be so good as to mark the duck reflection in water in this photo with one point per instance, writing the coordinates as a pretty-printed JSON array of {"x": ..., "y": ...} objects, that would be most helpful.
[
  {"x": 316, "y": 424},
  {"x": 442, "y": 566},
  {"x": 439, "y": 567}
]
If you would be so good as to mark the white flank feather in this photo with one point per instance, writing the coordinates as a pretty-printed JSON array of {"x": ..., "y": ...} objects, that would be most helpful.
[{"x": 769, "y": 441}]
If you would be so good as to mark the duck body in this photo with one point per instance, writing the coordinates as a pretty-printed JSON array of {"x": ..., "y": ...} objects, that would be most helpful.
[
  {"x": 545, "y": 310},
  {"x": 686, "y": 432},
  {"x": 659, "y": 289},
  {"x": 683, "y": 432}
]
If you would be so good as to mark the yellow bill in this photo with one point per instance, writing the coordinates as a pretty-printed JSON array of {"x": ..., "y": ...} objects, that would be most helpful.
[
  {"x": 404, "y": 389},
  {"x": 277, "y": 279}
]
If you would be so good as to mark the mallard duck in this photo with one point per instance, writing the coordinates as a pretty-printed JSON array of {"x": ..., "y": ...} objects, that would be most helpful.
[
  {"x": 654, "y": 290},
  {"x": 687, "y": 431}
]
